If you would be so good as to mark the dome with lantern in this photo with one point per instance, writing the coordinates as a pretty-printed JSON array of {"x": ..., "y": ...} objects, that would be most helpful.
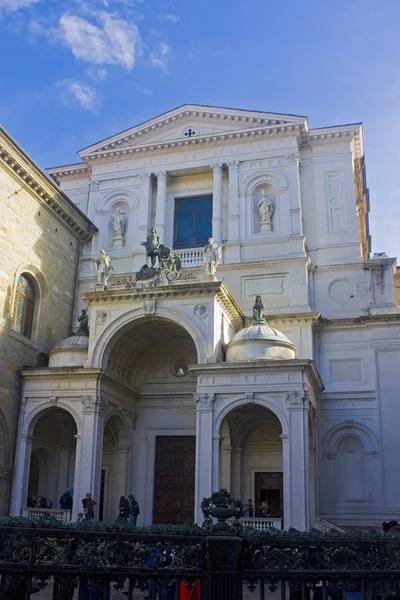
[{"x": 259, "y": 341}]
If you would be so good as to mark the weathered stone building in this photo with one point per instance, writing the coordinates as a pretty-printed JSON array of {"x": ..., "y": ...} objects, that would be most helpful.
[
  {"x": 41, "y": 237},
  {"x": 176, "y": 392}
]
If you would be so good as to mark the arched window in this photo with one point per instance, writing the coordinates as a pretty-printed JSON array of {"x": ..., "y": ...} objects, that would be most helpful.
[{"x": 24, "y": 306}]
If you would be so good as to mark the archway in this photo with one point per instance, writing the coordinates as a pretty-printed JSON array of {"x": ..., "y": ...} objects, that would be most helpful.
[
  {"x": 251, "y": 464},
  {"x": 52, "y": 463},
  {"x": 151, "y": 356}
]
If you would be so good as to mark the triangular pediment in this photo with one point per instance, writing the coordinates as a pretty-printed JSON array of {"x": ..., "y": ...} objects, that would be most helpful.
[{"x": 192, "y": 121}]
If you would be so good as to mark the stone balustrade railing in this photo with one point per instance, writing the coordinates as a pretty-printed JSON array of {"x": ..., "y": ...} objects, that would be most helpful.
[
  {"x": 191, "y": 258},
  {"x": 259, "y": 523},
  {"x": 64, "y": 516}
]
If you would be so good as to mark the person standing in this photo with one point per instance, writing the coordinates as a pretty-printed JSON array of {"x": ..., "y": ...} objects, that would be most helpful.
[
  {"x": 123, "y": 508},
  {"x": 66, "y": 500},
  {"x": 248, "y": 509},
  {"x": 134, "y": 510},
  {"x": 88, "y": 503},
  {"x": 264, "y": 511}
]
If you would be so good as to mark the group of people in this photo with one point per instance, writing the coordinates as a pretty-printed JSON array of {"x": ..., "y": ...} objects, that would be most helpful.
[
  {"x": 249, "y": 511},
  {"x": 39, "y": 502},
  {"x": 128, "y": 508}
]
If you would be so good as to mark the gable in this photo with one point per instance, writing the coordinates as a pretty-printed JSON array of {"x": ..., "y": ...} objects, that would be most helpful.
[{"x": 190, "y": 122}]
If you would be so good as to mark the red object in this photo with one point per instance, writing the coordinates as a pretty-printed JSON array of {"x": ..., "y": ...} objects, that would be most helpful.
[{"x": 193, "y": 593}]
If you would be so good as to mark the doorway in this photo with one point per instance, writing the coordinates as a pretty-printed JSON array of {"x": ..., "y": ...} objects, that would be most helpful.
[
  {"x": 174, "y": 479},
  {"x": 269, "y": 489}
]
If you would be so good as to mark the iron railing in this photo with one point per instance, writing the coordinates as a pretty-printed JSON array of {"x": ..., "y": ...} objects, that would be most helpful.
[{"x": 183, "y": 560}]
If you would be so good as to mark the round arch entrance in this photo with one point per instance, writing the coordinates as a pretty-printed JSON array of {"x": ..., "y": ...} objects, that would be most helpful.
[
  {"x": 250, "y": 461},
  {"x": 155, "y": 459},
  {"x": 52, "y": 463}
]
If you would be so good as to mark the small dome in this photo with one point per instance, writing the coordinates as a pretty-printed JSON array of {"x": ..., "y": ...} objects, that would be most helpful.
[
  {"x": 70, "y": 352},
  {"x": 73, "y": 342},
  {"x": 260, "y": 342}
]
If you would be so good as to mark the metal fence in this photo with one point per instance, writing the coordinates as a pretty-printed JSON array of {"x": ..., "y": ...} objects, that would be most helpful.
[{"x": 189, "y": 562}]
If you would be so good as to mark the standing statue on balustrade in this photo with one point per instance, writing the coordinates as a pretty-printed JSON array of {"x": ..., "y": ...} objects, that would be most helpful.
[
  {"x": 258, "y": 309},
  {"x": 212, "y": 255},
  {"x": 104, "y": 267},
  {"x": 265, "y": 211}
]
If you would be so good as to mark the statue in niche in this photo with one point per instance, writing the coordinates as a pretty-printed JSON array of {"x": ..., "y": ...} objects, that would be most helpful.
[
  {"x": 83, "y": 320},
  {"x": 212, "y": 255},
  {"x": 104, "y": 267},
  {"x": 258, "y": 309},
  {"x": 265, "y": 211},
  {"x": 118, "y": 225},
  {"x": 167, "y": 259}
]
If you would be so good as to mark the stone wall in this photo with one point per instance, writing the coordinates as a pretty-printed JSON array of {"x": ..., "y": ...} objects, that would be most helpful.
[{"x": 33, "y": 240}]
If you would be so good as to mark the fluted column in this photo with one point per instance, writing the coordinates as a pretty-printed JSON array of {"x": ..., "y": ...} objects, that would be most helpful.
[
  {"x": 161, "y": 207},
  {"x": 204, "y": 451},
  {"x": 233, "y": 203},
  {"x": 217, "y": 203}
]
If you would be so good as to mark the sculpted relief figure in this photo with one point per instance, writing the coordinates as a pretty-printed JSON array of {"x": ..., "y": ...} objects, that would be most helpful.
[
  {"x": 265, "y": 211},
  {"x": 104, "y": 267},
  {"x": 118, "y": 225},
  {"x": 212, "y": 255}
]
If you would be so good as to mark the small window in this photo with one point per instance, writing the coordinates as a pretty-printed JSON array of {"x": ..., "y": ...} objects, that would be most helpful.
[
  {"x": 193, "y": 225},
  {"x": 24, "y": 306}
]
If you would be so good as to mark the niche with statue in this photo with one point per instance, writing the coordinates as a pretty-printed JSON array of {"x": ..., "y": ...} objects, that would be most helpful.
[{"x": 264, "y": 209}]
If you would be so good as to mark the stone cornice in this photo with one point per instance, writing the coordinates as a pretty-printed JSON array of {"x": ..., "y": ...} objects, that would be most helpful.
[
  {"x": 363, "y": 320},
  {"x": 294, "y": 319},
  {"x": 76, "y": 170},
  {"x": 193, "y": 288},
  {"x": 42, "y": 188},
  {"x": 262, "y": 366}
]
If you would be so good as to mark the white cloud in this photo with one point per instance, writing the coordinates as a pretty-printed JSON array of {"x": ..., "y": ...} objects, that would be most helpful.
[
  {"x": 145, "y": 91},
  {"x": 160, "y": 58},
  {"x": 114, "y": 42},
  {"x": 77, "y": 93},
  {"x": 14, "y": 5},
  {"x": 171, "y": 17},
  {"x": 97, "y": 73}
]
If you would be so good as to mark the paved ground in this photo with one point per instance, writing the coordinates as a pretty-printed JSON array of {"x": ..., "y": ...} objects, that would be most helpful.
[{"x": 47, "y": 594}]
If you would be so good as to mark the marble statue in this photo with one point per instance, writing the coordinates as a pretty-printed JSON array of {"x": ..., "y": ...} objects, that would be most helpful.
[
  {"x": 265, "y": 211},
  {"x": 258, "y": 309},
  {"x": 104, "y": 267},
  {"x": 152, "y": 245},
  {"x": 118, "y": 225},
  {"x": 212, "y": 255},
  {"x": 83, "y": 320}
]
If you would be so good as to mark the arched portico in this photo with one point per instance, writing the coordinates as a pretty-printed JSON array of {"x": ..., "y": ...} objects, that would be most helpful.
[{"x": 101, "y": 345}]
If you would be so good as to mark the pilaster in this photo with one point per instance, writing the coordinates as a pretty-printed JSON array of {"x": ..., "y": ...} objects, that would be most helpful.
[
  {"x": 161, "y": 205},
  {"x": 204, "y": 450}
]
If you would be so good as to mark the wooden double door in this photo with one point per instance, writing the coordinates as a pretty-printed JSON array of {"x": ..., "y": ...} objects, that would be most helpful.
[
  {"x": 269, "y": 489},
  {"x": 174, "y": 479}
]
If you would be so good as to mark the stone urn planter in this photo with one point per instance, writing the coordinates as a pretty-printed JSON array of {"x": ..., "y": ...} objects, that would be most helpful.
[{"x": 222, "y": 506}]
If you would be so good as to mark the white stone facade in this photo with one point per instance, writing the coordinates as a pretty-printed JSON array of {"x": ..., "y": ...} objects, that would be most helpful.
[{"x": 325, "y": 422}]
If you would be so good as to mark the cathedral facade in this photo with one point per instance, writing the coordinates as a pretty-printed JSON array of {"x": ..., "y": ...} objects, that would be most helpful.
[{"x": 234, "y": 330}]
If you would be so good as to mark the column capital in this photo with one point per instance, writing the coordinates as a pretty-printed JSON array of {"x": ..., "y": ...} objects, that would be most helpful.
[
  {"x": 94, "y": 404},
  {"x": 295, "y": 399},
  {"x": 204, "y": 401},
  {"x": 217, "y": 167},
  {"x": 146, "y": 176},
  {"x": 293, "y": 158},
  {"x": 232, "y": 165},
  {"x": 161, "y": 175}
]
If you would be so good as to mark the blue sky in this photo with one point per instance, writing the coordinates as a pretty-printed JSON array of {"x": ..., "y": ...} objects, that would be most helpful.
[{"x": 79, "y": 71}]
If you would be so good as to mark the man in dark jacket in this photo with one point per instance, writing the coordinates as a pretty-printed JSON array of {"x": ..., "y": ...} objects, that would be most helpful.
[{"x": 66, "y": 500}]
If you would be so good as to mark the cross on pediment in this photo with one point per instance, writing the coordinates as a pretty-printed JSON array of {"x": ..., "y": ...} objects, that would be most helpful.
[{"x": 190, "y": 132}]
